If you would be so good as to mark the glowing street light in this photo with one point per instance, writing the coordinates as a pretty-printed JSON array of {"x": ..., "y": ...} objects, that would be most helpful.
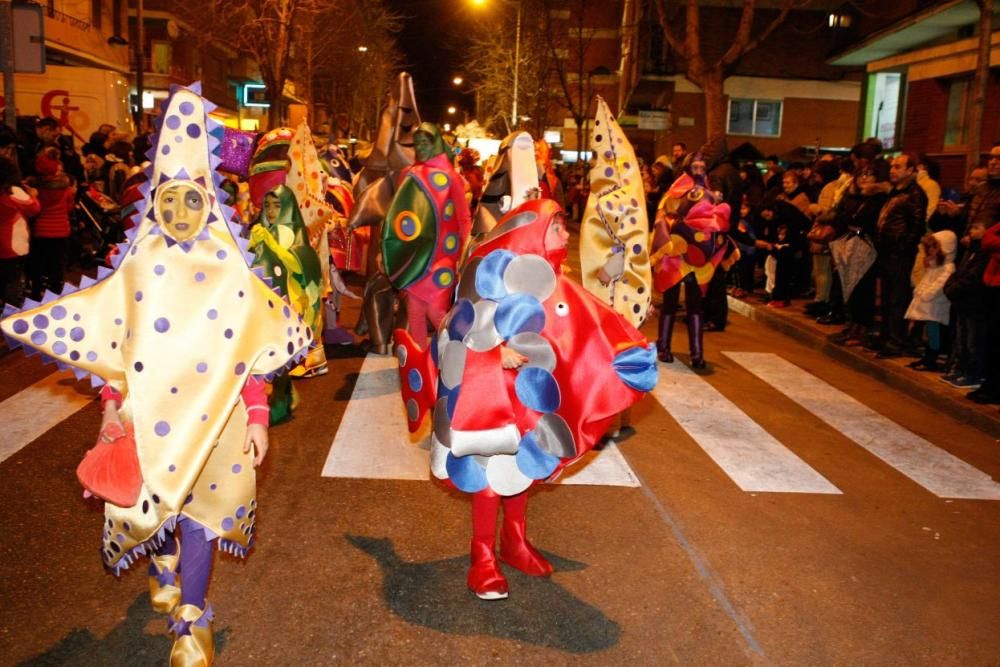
[
  {"x": 447, "y": 127},
  {"x": 452, "y": 110},
  {"x": 363, "y": 48},
  {"x": 458, "y": 81}
]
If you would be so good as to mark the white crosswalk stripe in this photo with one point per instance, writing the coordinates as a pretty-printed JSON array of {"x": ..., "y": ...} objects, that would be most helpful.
[
  {"x": 933, "y": 468},
  {"x": 751, "y": 456},
  {"x": 36, "y": 409},
  {"x": 372, "y": 441}
]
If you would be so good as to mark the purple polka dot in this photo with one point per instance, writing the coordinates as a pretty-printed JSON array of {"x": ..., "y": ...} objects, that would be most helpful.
[
  {"x": 637, "y": 248},
  {"x": 309, "y": 333},
  {"x": 289, "y": 332},
  {"x": 241, "y": 512},
  {"x": 201, "y": 367},
  {"x": 193, "y": 131},
  {"x": 241, "y": 294},
  {"x": 38, "y": 337},
  {"x": 60, "y": 332},
  {"x": 286, "y": 312},
  {"x": 227, "y": 523},
  {"x": 138, "y": 296},
  {"x": 173, "y": 122},
  {"x": 270, "y": 304},
  {"x": 632, "y": 220},
  {"x": 173, "y": 390},
  {"x": 189, "y": 499},
  {"x": 221, "y": 254},
  {"x": 76, "y": 318},
  {"x": 20, "y": 327},
  {"x": 213, "y": 487},
  {"x": 134, "y": 250},
  {"x": 240, "y": 367},
  {"x": 137, "y": 366},
  {"x": 58, "y": 312},
  {"x": 118, "y": 321},
  {"x": 159, "y": 269},
  {"x": 290, "y": 348},
  {"x": 59, "y": 347},
  {"x": 162, "y": 428},
  {"x": 91, "y": 356},
  {"x": 120, "y": 538},
  {"x": 609, "y": 172},
  {"x": 204, "y": 418},
  {"x": 608, "y": 154},
  {"x": 626, "y": 165},
  {"x": 186, "y": 108},
  {"x": 114, "y": 345},
  {"x": 237, "y": 468},
  {"x": 161, "y": 324},
  {"x": 178, "y": 139},
  {"x": 74, "y": 355},
  {"x": 171, "y": 467},
  {"x": 200, "y": 276},
  {"x": 228, "y": 333},
  {"x": 166, "y": 149},
  {"x": 76, "y": 334},
  {"x": 212, "y": 314},
  {"x": 301, "y": 342}
]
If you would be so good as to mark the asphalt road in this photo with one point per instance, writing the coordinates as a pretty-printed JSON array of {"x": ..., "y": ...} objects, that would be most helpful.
[{"x": 687, "y": 568}]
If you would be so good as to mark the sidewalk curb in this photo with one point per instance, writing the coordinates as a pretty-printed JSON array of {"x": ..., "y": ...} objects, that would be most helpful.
[{"x": 985, "y": 418}]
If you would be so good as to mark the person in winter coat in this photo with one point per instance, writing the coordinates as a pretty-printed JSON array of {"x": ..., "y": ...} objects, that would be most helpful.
[
  {"x": 17, "y": 204},
  {"x": 930, "y": 304},
  {"x": 966, "y": 291},
  {"x": 986, "y": 203},
  {"x": 50, "y": 230}
]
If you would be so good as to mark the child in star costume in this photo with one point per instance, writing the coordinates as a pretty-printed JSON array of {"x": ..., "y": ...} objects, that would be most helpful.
[
  {"x": 525, "y": 375},
  {"x": 179, "y": 330}
]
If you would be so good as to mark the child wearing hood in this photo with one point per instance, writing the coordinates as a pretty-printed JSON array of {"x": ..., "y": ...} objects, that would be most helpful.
[{"x": 930, "y": 304}]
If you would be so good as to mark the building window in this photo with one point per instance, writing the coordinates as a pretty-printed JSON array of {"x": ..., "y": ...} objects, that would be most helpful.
[
  {"x": 759, "y": 118},
  {"x": 95, "y": 13},
  {"x": 958, "y": 106},
  {"x": 117, "y": 14}
]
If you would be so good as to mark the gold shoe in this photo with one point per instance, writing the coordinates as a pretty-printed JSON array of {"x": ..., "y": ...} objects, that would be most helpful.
[
  {"x": 192, "y": 630},
  {"x": 165, "y": 584}
]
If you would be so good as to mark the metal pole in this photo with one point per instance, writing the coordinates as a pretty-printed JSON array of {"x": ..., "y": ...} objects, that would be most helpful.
[
  {"x": 7, "y": 60},
  {"x": 517, "y": 65},
  {"x": 140, "y": 65}
]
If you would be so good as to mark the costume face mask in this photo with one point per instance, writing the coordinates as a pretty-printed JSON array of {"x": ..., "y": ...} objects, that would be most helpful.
[
  {"x": 181, "y": 211},
  {"x": 423, "y": 146}
]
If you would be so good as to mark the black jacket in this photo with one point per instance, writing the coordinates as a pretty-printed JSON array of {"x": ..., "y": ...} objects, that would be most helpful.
[
  {"x": 903, "y": 220},
  {"x": 965, "y": 288}
]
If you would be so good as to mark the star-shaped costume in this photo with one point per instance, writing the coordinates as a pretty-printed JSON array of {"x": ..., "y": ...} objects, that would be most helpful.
[{"x": 177, "y": 327}]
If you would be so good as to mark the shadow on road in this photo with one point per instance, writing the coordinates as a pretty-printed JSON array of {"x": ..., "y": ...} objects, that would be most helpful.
[
  {"x": 126, "y": 645},
  {"x": 539, "y": 611}
]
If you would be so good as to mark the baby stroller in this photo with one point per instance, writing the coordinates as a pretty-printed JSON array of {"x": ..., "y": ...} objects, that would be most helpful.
[{"x": 96, "y": 227}]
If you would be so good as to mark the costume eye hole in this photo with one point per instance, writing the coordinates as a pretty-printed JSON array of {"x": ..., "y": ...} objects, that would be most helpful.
[{"x": 562, "y": 309}]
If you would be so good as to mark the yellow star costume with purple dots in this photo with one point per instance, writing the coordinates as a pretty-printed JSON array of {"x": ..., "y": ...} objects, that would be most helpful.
[
  {"x": 177, "y": 327},
  {"x": 614, "y": 232}
]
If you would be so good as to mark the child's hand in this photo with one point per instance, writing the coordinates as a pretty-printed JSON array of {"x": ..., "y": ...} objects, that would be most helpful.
[{"x": 256, "y": 437}]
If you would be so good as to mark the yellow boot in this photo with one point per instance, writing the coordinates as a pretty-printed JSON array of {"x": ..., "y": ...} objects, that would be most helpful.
[
  {"x": 193, "y": 643},
  {"x": 164, "y": 583}
]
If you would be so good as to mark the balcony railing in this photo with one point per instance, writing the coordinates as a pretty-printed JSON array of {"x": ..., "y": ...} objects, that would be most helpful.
[{"x": 63, "y": 17}]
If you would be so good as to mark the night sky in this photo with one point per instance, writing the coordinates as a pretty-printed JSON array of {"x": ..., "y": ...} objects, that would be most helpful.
[{"x": 432, "y": 43}]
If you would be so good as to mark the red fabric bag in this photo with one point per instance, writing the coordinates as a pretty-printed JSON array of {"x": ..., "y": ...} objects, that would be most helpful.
[{"x": 111, "y": 469}]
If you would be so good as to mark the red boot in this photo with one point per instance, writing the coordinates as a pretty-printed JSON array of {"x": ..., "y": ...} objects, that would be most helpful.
[
  {"x": 485, "y": 578},
  {"x": 515, "y": 550}
]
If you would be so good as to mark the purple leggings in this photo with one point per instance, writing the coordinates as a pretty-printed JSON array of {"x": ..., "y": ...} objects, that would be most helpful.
[{"x": 195, "y": 562}]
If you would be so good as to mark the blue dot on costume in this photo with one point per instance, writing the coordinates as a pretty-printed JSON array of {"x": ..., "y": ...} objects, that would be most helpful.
[
  {"x": 537, "y": 389},
  {"x": 58, "y": 312},
  {"x": 91, "y": 356},
  {"x": 200, "y": 276},
  {"x": 39, "y": 337},
  {"x": 173, "y": 122},
  {"x": 159, "y": 269},
  {"x": 519, "y": 313},
  {"x": 201, "y": 367},
  {"x": 463, "y": 314},
  {"x": 60, "y": 332},
  {"x": 212, "y": 314},
  {"x": 161, "y": 324},
  {"x": 59, "y": 347},
  {"x": 466, "y": 473},
  {"x": 415, "y": 381},
  {"x": 227, "y": 524},
  {"x": 20, "y": 327},
  {"x": 76, "y": 334},
  {"x": 193, "y": 131},
  {"x": 444, "y": 278},
  {"x": 532, "y": 460},
  {"x": 489, "y": 274},
  {"x": 40, "y": 321},
  {"x": 186, "y": 108},
  {"x": 162, "y": 428}
]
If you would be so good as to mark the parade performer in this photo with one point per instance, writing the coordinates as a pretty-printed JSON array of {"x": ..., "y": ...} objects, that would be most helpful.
[
  {"x": 181, "y": 330},
  {"x": 613, "y": 235},
  {"x": 425, "y": 231},
  {"x": 374, "y": 188},
  {"x": 511, "y": 180},
  {"x": 688, "y": 244},
  {"x": 548, "y": 181},
  {"x": 530, "y": 371}
]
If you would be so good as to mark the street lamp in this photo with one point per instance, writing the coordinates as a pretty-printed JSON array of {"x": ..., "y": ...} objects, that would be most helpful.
[
  {"x": 452, "y": 110},
  {"x": 363, "y": 48},
  {"x": 517, "y": 55},
  {"x": 458, "y": 81}
]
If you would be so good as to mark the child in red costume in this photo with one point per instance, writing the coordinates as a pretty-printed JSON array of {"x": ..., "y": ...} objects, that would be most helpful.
[{"x": 531, "y": 369}]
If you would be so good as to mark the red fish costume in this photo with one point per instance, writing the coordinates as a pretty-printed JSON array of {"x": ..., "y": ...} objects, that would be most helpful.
[{"x": 497, "y": 432}]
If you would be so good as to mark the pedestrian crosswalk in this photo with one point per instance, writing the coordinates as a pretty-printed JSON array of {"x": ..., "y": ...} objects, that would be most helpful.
[{"x": 372, "y": 441}]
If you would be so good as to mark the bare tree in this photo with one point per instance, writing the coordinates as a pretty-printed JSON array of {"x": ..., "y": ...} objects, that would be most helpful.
[
  {"x": 710, "y": 75},
  {"x": 974, "y": 121},
  {"x": 569, "y": 53}
]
